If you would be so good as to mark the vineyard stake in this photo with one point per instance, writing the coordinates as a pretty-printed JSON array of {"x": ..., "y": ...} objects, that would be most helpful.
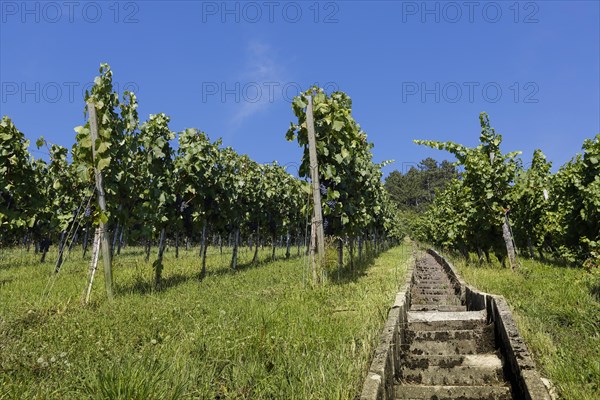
[
  {"x": 105, "y": 246},
  {"x": 317, "y": 221},
  {"x": 93, "y": 266}
]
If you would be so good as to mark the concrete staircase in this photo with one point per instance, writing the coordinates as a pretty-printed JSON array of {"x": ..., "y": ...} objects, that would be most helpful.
[{"x": 448, "y": 352}]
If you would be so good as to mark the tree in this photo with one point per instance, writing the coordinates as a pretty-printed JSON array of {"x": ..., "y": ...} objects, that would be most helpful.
[
  {"x": 199, "y": 176},
  {"x": 352, "y": 189},
  {"x": 102, "y": 156},
  {"x": 446, "y": 222},
  {"x": 158, "y": 207},
  {"x": 489, "y": 174},
  {"x": 64, "y": 197},
  {"x": 415, "y": 190},
  {"x": 530, "y": 204},
  {"x": 575, "y": 206},
  {"x": 17, "y": 179}
]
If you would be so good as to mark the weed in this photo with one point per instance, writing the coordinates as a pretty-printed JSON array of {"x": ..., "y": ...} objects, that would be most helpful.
[
  {"x": 557, "y": 314},
  {"x": 259, "y": 333}
]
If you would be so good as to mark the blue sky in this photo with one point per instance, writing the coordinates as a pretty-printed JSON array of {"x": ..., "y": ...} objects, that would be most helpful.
[{"x": 415, "y": 70}]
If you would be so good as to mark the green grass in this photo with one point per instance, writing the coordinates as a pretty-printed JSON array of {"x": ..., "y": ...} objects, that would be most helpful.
[
  {"x": 260, "y": 332},
  {"x": 557, "y": 311}
]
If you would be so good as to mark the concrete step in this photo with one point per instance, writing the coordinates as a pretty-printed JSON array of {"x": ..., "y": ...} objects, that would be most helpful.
[
  {"x": 433, "y": 299},
  {"x": 449, "y": 352},
  {"x": 451, "y": 301},
  {"x": 432, "y": 320},
  {"x": 433, "y": 274},
  {"x": 440, "y": 280},
  {"x": 433, "y": 284},
  {"x": 438, "y": 307},
  {"x": 439, "y": 293},
  {"x": 435, "y": 304},
  {"x": 476, "y": 369},
  {"x": 480, "y": 333},
  {"x": 418, "y": 392},
  {"x": 450, "y": 346},
  {"x": 440, "y": 285},
  {"x": 425, "y": 267},
  {"x": 445, "y": 295},
  {"x": 467, "y": 375},
  {"x": 435, "y": 291},
  {"x": 433, "y": 287},
  {"x": 449, "y": 361}
]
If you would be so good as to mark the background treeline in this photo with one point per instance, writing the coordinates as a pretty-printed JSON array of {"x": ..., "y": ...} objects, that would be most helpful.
[{"x": 414, "y": 191}]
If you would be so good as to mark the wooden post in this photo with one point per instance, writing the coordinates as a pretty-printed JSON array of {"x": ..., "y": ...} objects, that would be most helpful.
[
  {"x": 317, "y": 221},
  {"x": 61, "y": 247},
  {"x": 85, "y": 239},
  {"x": 256, "y": 245},
  {"x": 234, "y": 256},
  {"x": 87, "y": 292},
  {"x": 509, "y": 241},
  {"x": 114, "y": 240},
  {"x": 203, "y": 248},
  {"x": 120, "y": 240},
  {"x": 314, "y": 262},
  {"x": 158, "y": 264},
  {"x": 105, "y": 246}
]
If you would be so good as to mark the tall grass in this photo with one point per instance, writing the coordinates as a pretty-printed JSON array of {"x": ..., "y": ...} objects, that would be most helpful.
[
  {"x": 260, "y": 332},
  {"x": 557, "y": 311}
]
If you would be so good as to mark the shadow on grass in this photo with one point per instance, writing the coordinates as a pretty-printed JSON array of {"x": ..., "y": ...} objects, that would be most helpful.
[
  {"x": 552, "y": 261},
  {"x": 352, "y": 273},
  {"x": 248, "y": 265},
  {"x": 35, "y": 318},
  {"x": 595, "y": 290},
  {"x": 6, "y": 265},
  {"x": 495, "y": 263},
  {"x": 130, "y": 252},
  {"x": 141, "y": 286},
  {"x": 5, "y": 281}
]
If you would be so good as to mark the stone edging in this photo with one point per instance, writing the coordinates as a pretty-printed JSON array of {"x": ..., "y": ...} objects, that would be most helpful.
[
  {"x": 379, "y": 384},
  {"x": 523, "y": 375}
]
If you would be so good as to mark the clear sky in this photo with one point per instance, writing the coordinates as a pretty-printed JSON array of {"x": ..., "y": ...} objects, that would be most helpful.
[{"x": 415, "y": 70}]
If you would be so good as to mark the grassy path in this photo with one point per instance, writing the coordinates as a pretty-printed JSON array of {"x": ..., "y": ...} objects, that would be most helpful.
[
  {"x": 257, "y": 333},
  {"x": 557, "y": 310}
]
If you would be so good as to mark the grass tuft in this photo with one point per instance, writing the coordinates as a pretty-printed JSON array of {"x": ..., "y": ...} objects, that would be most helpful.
[
  {"x": 557, "y": 313},
  {"x": 258, "y": 333}
]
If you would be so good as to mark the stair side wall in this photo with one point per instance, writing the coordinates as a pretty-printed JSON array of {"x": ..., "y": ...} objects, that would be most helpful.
[
  {"x": 522, "y": 373},
  {"x": 385, "y": 367}
]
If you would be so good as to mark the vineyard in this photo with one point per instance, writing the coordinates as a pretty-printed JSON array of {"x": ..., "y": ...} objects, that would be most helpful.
[
  {"x": 222, "y": 277},
  {"x": 130, "y": 182},
  {"x": 209, "y": 288},
  {"x": 498, "y": 206}
]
